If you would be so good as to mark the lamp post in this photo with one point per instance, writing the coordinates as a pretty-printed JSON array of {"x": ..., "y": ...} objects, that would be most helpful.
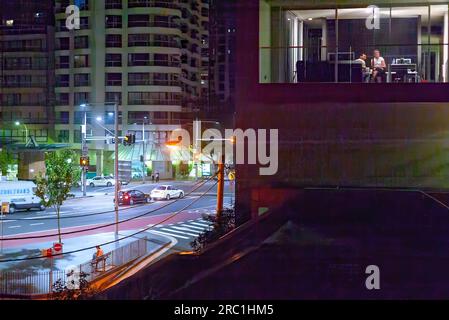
[
  {"x": 116, "y": 162},
  {"x": 26, "y": 130},
  {"x": 143, "y": 151}
]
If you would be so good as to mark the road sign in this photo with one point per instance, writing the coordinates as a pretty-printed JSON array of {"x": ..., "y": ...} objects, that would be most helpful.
[
  {"x": 231, "y": 175},
  {"x": 57, "y": 247}
]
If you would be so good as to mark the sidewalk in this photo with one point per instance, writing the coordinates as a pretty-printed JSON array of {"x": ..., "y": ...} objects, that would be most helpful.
[{"x": 71, "y": 244}]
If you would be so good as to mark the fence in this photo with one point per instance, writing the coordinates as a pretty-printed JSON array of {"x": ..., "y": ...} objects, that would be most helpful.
[{"x": 17, "y": 283}]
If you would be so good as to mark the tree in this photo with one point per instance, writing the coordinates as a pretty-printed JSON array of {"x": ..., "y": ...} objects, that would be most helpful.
[
  {"x": 6, "y": 159},
  {"x": 62, "y": 174}
]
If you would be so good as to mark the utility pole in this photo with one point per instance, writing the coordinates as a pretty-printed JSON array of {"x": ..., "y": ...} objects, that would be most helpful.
[
  {"x": 84, "y": 153},
  {"x": 220, "y": 186},
  {"x": 116, "y": 172}
]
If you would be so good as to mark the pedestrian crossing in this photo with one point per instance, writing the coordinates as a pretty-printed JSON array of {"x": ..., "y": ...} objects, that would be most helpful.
[{"x": 187, "y": 230}]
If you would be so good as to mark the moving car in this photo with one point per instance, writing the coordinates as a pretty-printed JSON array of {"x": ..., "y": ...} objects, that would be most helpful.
[
  {"x": 101, "y": 182},
  {"x": 20, "y": 196},
  {"x": 131, "y": 197},
  {"x": 166, "y": 192}
]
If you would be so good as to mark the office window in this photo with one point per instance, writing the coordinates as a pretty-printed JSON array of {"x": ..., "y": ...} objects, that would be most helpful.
[
  {"x": 81, "y": 61},
  {"x": 404, "y": 45},
  {"x": 81, "y": 97},
  {"x": 113, "y": 79},
  {"x": 64, "y": 117},
  {"x": 113, "y": 4},
  {"x": 113, "y": 41},
  {"x": 62, "y": 80},
  {"x": 113, "y": 21},
  {"x": 63, "y": 43},
  {"x": 113, "y": 60},
  {"x": 114, "y": 97},
  {"x": 138, "y": 79},
  {"x": 138, "y": 59},
  {"x": 62, "y": 99},
  {"x": 81, "y": 42},
  {"x": 63, "y": 136},
  {"x": 138, "y": 20},
  {"x": 139, "y": 40},
  {"x": 82, "y": 80},
  {"x": 62, "y": 62}
]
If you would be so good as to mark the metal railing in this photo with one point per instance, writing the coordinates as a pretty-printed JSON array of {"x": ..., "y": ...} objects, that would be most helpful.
[{"x": 26, "y": 283}]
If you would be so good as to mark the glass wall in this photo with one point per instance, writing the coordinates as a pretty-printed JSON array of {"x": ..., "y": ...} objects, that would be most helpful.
[{"x": 394, "y": 44}]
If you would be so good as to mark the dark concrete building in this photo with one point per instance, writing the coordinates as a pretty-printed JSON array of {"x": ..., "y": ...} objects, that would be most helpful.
[{"x": 339, "y": 124}]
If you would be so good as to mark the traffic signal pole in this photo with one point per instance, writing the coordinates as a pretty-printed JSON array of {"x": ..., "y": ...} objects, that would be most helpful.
[
  {"x": 116, "y": 172},
  {"x": 220, "y": 186}
]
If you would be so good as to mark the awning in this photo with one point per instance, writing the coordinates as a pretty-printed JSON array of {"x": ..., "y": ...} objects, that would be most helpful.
[{"x": 153, "y": 152}]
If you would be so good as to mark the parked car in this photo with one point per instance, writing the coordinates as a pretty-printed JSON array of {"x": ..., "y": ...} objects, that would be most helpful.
[
  {"x": 20, "y": 196},
  {"x": 131, "y": 197},
  {"x": 101, "y": 182},
  {"x": 166, "y": 192}
]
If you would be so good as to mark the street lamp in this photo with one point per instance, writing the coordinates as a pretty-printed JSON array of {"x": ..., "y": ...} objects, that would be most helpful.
[
  {"x": 116, "y": 162},
  {"x": 26, "y": 130}
]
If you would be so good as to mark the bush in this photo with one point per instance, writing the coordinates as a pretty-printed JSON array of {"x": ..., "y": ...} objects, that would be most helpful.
[{"x": 221, "y": 226}]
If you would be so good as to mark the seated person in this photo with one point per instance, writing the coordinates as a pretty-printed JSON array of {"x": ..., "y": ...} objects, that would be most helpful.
[
  {"x": 365, "y": 70},
  {"x": 379, "y": 66}
]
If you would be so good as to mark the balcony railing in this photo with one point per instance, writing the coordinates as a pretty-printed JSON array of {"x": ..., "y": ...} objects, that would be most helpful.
[
  {"x": 157, "y": 63},
  {"x": 163, "y": 102},
  {"x": 172, "y": 4}
]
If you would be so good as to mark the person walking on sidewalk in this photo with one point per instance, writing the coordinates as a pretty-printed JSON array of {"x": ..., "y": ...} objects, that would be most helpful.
[
  {"x": 157, "y": 177},
  {"x": 152, "y": 177}
]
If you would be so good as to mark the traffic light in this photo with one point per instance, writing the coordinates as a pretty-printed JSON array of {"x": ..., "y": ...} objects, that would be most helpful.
[
  {"x": 129, "y": 140},
  {"x": 84, "y": 161}
]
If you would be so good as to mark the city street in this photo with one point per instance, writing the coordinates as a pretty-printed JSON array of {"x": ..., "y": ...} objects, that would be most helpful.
[{"x": 94, "y": 216}]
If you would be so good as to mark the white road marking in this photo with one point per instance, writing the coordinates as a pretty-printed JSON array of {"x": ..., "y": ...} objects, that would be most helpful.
[
  {"x": 168, "y": 234},
  {"x": 196, "y": 232},
  {"x": 36, "y": 224},
  {"x": 181, "y": 232},
  {"x": 14, "y": 227},
  {"x": 202, "y": 224},
  {"x": 196, "y": 227},
  {"x": 8, "y": 221}
]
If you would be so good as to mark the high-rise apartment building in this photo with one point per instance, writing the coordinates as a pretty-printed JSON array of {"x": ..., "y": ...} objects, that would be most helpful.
[
  {"x": 222, "y": 56},
  {"x": 145, "y": 54},
  {"x": 26, "y": 84},
  {"x": 26, "y": 70}
]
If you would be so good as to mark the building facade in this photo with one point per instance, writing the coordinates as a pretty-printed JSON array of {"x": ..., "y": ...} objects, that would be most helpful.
[
  {"x": 26, "y": 73},
  {"x": 297, "y": 61},
  {"x": 145, "y": 54}
]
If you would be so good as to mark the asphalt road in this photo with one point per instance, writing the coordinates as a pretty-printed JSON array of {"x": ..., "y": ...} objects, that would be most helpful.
[{"x": 97, "y": 210}]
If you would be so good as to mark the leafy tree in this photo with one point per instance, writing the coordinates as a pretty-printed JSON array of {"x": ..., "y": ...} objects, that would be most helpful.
[
  {"x": 6, "y": 159},
  {"x": 62, "y": 174}
]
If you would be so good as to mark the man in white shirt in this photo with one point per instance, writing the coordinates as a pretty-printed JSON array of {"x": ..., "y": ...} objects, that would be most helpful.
[
  {"x": 379, "y": 66},
  {"x": 365, "y": 71}
]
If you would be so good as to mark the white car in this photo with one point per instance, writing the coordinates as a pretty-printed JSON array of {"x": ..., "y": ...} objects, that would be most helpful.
[
  {"x": 166, "y": 192},
  {"x": 100, "y": 182}
]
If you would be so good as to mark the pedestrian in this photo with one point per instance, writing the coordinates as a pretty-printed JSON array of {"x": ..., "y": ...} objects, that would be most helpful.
[
  {"x": 157, "y": 177},
  {"x": 152, "y": 178},
  {"x": 98, "y": 254}
]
